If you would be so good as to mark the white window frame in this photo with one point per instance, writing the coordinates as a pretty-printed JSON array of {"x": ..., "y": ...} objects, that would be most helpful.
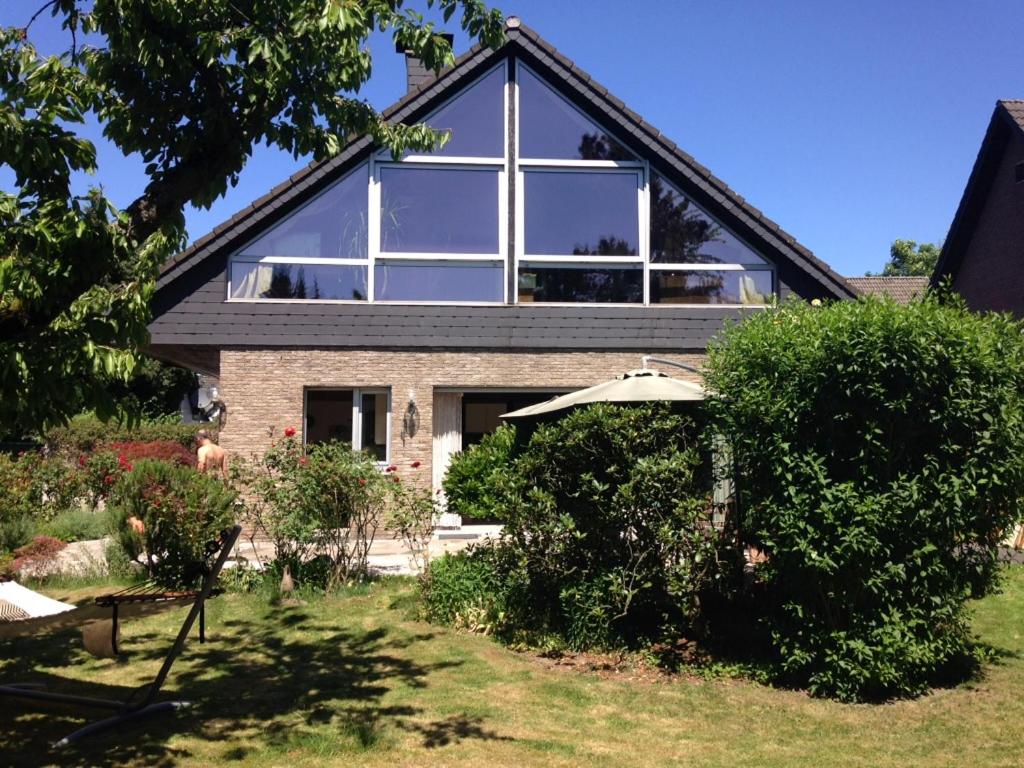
[
  {"x": 639, "y": 168},
  {"x": 382, "y": 159},
  {"x": 357, "y": 415}
]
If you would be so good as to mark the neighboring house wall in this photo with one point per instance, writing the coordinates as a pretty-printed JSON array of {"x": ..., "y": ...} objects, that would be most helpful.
[
  {"x": 272, "y": 385},
  {"x": 991, "y": 275}
]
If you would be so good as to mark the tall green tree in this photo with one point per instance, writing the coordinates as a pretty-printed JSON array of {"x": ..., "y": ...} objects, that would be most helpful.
[
  {"x": 191, "y": 86},
  {"x": 908, "y": 257}
]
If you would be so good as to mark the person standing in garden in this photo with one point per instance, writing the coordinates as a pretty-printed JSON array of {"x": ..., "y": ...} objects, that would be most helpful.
[{"x": 210, "y": 457}]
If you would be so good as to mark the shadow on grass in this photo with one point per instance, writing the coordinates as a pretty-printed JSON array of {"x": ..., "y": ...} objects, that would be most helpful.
[{"x": 281, "y": 679}]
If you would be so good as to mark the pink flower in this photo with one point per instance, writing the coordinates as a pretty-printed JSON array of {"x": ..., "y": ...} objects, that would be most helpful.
[
  {"x": 304, "y": 460},
  {"x": 415, "y": 465},
  {"x": 289, "y": 431},
  {"x": 362, "y": 481}
]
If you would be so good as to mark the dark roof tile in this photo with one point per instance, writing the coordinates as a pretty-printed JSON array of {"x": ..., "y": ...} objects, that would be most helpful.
[{"x": 900, "y": 289}]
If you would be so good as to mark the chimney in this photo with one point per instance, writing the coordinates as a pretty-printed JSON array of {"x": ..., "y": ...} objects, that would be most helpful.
[{"x": 415, "y": 73}]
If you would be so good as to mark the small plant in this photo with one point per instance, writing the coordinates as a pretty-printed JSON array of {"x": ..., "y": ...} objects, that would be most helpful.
[
  {"x": 465, "y": 590},
  {"x": 412, "y": 516}
]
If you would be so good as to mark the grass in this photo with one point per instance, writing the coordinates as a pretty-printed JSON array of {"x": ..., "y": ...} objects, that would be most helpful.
[{"x": 351, "y": 680}]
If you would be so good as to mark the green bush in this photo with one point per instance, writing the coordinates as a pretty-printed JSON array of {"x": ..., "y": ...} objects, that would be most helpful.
[
  {"x": 880, "y": 456},
  {"x": 465, "y": 590},
  {"x": 608, "y": 539},
  {"x": 78, "y": 524},
  {"x": 17, "y": 500},
  {"x": 181, "y": 511},
  {"x": 474, "y": 484}
]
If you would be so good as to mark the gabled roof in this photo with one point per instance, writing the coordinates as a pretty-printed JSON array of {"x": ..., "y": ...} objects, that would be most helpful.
[
  {"x": 695, "y": 180},
  {"x": 1007, "y": 119},
  {"x": 900, "y": 289}
]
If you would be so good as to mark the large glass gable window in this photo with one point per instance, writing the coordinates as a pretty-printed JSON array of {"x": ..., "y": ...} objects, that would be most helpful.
[{"x": 589, "y": 220}]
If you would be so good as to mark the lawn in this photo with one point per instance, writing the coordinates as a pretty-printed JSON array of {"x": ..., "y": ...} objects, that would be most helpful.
[{"x": 352, "y": 680}]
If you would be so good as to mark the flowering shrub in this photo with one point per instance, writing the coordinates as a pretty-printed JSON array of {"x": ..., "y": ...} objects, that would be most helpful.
[
  {"x": 412, "y": 516},
  {"x": 330, "y": 501},
  {"x": 99, "y": 472},
  {"x": 880, "y": 456},
  {"x": 166, "y": 514}
]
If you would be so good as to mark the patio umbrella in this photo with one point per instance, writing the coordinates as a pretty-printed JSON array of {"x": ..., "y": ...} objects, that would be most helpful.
[{"x": 637, "y": 386}]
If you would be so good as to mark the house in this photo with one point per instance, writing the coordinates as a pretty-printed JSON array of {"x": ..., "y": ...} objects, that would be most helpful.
[
  {"x": 899, "y": 288},
  {"x": 403, "y": 305},
  {"x": 983, "y": 255}
]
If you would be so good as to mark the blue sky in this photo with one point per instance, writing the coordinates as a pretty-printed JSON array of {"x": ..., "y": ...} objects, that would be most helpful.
[{"x": 850, "y": 125}]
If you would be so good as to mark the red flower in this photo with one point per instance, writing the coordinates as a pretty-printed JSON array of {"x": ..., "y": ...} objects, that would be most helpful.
[
  {"x": 397, "y": 479},
  {"x": 289, "y": 431},
  {"x": 362, "y": 481},
  {"x": 391, "y": 468},
  {"x": 415, "y": 465},
  {"x": 81, "y": 461},
  {"x": 109, "y": 480},
  {"x": 304, "y": 460}
]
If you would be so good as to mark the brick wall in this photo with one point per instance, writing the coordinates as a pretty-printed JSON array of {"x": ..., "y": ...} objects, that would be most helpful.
[
  {"x": 991, "y": 276},
  {"x": 264, "y": 389}
]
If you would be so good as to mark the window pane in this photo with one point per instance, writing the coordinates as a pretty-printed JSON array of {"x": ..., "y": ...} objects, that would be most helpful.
[
  {"x": 374, "y": 413},
  {"x": 333, "y": 225},
  {"x": 329, "y": 416},
  {"x": 475, "y": 118},
  {"x": 251, "y": 280},
  {"x": 549, "y": 127},
  {"x": 581, "y": 283},
  {"x": 439, "y": 281},
  {"x": 438, "y": 210},
  {"x": 581, "y": 212},
  {"x": 711, "y": 287},
  {"x": 682, "y": 233}
]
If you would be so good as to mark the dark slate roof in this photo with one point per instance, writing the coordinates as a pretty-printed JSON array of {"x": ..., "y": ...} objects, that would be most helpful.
[
  {"x": 696, "y": 180},
  {"x": 501, "y": 327},
  {"x": 1007, "y": 119},
  {"x": 899, "y": 289}
]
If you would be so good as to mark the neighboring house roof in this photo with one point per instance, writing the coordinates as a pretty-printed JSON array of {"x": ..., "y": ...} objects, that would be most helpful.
[
  {"x": 1007, "y": 119},
  {"x": 697, "y": 181},
  {"x": 899, "y": 289}
]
